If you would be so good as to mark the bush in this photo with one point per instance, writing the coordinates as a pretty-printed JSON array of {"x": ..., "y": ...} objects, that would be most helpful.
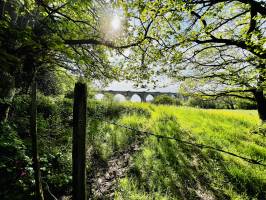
[
  {"x": 46, "y": 106},
  {"x": 201, "y": 103},
  {"x": 15, "y": 166},
  {"x": 20, "y": 115},
  {"x": 48, "y": 82},
  {"x": 54, "y": 123},
  {"x": 166, "y": 100},
  {"x": 246, "y": 104},
  {"x": 55, "y": 131},
  {"x": 221, "y": 103}
]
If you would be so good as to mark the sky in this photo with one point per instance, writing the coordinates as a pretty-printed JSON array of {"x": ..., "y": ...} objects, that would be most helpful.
[{"x": 129, "y": 86}]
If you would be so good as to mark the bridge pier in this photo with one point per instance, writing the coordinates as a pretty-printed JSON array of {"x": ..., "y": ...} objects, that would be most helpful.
[
  {"x": 142, "y": 97},
  {"x": 128, "y": 97}
]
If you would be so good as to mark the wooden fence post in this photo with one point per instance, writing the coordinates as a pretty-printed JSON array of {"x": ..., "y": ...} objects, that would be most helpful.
[
  {"x": 79, "y": 142},
  {"x": 35, "y": 147}
]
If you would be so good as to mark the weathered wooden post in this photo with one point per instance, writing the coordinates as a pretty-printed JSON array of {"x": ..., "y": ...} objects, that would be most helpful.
[
  {"x": 35, "y": 148},
  {"x": 79, "y": 142}
]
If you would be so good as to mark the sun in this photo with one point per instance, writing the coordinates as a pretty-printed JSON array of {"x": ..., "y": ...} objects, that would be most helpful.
[
  {"x": 112, "y": 24},
  {"x": 116, "y": 23}
]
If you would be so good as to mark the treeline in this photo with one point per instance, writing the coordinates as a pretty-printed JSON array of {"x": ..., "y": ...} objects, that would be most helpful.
[{"x": 207, "y": 103}]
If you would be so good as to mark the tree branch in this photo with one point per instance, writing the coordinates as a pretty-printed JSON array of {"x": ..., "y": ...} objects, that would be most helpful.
[
  {"x": 259, "y": 6},
  {"x": 242, "y": 44}
]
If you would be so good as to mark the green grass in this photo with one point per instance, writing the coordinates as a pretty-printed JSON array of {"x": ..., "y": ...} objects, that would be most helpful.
[
  {"x": 165, "y": 169},
  {"x": 107, "y": 138}
]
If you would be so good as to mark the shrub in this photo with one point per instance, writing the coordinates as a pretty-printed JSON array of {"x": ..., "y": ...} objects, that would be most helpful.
[
  {"x": 15, "y": 166},
  {"x": 54, "y": 123},
  {"x": 221, "y": 103},
  {"x": 246, "y": 104},
  {"x": 46, "y": 106},
  {"x": 201, "y": 103},
  {"x": 19, "y": 115},
  {"x": 48, "y": 82},
  {"x": 166, "y": 100}
]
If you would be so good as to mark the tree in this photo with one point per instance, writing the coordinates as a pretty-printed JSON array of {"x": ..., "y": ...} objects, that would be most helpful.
[
  {"x": 22, "y": 50},
  {"x": 220, "y": 41},
  {"x": 217, "y": 44},
  {"x": 38, "y": 36},
  {"x": 228, "y": 54},
  {"x": 31, "y": 32}
]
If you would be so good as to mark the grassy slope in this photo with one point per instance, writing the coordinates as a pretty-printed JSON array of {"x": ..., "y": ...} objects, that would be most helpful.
[{"x": 168, "y": 170}]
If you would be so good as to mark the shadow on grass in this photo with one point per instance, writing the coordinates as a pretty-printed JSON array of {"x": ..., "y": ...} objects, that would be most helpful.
[{"x": 180, "y": 171}]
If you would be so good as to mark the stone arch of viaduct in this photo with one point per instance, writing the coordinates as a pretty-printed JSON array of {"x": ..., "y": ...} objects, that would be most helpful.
[{"x": 142, "y": 94}]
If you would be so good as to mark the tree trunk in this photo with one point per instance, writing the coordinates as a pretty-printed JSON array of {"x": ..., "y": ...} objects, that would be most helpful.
[
  {"x": 7, "y": 93},
  {"x": 5, "y": 104},
  {"x": 261, "y": 104},
  {"x": 35, "y": 149},
  {"x": 2, "y": 8},
  {"x": 79, "y": 142}
]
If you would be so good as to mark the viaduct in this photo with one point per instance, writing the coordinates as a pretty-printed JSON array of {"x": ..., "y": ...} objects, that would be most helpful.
[{"x": 142, "y": 94}]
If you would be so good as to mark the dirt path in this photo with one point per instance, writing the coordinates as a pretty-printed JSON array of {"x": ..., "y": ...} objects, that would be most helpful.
[{"x": 104, "y": 182}]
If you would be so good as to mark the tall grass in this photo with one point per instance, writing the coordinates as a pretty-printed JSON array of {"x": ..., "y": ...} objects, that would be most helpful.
[
  {"x": 105, "y": 137},
  {"x": 165, "y": 169}
]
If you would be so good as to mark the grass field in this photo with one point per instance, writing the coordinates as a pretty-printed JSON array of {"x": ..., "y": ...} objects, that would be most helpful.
[{"x": 166, "y": 169}]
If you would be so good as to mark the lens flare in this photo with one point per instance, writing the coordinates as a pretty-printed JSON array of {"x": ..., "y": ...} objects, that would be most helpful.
[
  {"x": 116, "y": 23},
  {"x": 112, "y": 23}
]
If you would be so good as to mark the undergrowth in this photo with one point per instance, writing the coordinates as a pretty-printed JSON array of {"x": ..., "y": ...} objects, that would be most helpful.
[{"x": 161, "y": 169}]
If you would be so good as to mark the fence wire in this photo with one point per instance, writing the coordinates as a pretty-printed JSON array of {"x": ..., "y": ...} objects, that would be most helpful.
[{"x": 198, "y": 145}]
